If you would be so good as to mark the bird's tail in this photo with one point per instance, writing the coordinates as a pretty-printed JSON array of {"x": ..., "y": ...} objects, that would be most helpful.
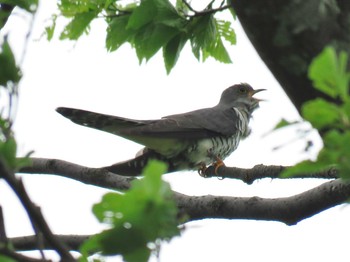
[
  {"x": 108, "y": 123},
  {"x": 135, "y": 166}
]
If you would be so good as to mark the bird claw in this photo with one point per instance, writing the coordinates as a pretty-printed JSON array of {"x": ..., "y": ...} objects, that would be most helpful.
[
  {"x": 202, "y": 169},
  {"x": 216, "y": 165}
]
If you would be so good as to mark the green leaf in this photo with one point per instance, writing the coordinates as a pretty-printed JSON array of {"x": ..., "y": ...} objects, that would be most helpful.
[
  {"x": 206, "y": 38},
  {"x": 320, "y": 113},
  {"x": 171, "y": 51},
  {"x": 70, "y": 8},
  {"x": 50, "y": 30},
  {"x": 217, "y": 51},
  {"x": 226, "y": 31},
  {"x": 78, "y": 25},
  {"x": 142, "y": 15},
  {"x": 151, "y": 38},
  {"x": 337, "y": 151},
  {"x": 203, "y": 34},
  {"x": 168, "y": 15},
  {"x": 9, "y": 71},
  {"x": 143, "y": 215},
  {"x": 155, "y": 11},
  {"x": 8, "y": 149},
  {"x": 328, "y": 73},
  {"x": 302, "y": 168},
  {"x": 117, "y": 33}
]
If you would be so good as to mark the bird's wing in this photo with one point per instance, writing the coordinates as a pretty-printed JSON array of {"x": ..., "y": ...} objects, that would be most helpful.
[{"x": 203, "y": 123}]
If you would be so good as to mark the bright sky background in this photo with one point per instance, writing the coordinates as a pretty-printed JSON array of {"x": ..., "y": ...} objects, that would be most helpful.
[{"x": 84, "y": 75}]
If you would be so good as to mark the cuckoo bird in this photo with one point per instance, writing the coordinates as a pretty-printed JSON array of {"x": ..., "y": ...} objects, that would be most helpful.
[{"x": 188, "y": 141}]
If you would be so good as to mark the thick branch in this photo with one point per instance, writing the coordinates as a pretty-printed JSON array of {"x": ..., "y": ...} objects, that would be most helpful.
[{"x": 289, "y": 210}]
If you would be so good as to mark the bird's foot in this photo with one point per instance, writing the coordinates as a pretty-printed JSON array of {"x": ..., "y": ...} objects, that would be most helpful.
[
  {"x": 218, "y": 161},
  {"x": 217, "y": 164},
  {"x": 202, "y": 168}
]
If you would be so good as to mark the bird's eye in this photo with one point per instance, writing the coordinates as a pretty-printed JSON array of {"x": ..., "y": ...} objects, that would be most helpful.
[{"x": 242, "y": 90}]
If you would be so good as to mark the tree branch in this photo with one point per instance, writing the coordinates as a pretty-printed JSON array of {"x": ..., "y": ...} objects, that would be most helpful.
[
  {"x": 207, "y": 10},
  {"x": 27, "y": 243},
  {"x": 289, "y": 210},
  {"x": 102, "y": 178},
  {"x": 91, "y": 176},
  {"x": 261, "y": 171},
  {"x": 37, "y": 220}
]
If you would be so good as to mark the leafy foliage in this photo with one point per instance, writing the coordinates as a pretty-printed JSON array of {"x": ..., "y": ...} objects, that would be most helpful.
[
  {"x": 150, "y": 26},
  {"x": 10, "y": 75},
  {"x": 9, "y": 71},
  {"x": 329, "y": 74},
  {"x": 138, "y": 219}
]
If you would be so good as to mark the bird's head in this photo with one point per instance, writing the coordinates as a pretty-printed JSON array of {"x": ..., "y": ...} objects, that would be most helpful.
[{"x": 240, "y": 96}]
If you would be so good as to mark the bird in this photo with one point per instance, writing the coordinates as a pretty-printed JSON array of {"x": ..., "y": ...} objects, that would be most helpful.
[{"x": 187, "y": 141}]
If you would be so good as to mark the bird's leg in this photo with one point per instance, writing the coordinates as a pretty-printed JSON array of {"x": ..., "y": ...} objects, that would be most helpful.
[{"x": 218, "y": 161}]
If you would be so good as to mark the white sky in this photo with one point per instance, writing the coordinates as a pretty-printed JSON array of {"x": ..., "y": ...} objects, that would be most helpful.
[{"x": 84, "y": 75}]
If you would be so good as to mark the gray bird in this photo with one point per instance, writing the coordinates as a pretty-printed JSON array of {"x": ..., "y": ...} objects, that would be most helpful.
[{"x": 188, "y": 141}]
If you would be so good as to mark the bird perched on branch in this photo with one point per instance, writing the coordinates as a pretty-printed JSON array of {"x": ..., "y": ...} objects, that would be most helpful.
[{"x": 188, "y": 141}]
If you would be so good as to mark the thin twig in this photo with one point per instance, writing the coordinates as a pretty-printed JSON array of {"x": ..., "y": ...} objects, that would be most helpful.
[{"x": 205, "y": 11}]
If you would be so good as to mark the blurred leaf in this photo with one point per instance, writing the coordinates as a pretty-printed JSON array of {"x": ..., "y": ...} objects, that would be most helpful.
[
  {"x": 6, "y": 259},
  {"x": 50, "y": 30},
  {"x": 337, "y": 151},
  {"x": 320, "y": 113},
  {"x": 8, "y": 149},
  {"x": 304, "y": 167},
  {"x": 78, "y": 25},
  {"x": 70, "y": 8},
  {"x": 143, "y": 215},
  {"x": 328, "y": 73},
  {"x": 28, "y": 5},
  {"x": 9, "y": 71},
  {"x": 284, "y": 123}
]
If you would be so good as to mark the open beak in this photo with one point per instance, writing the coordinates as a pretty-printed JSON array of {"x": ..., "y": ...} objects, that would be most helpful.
[{"x": 254, "y": 92}]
